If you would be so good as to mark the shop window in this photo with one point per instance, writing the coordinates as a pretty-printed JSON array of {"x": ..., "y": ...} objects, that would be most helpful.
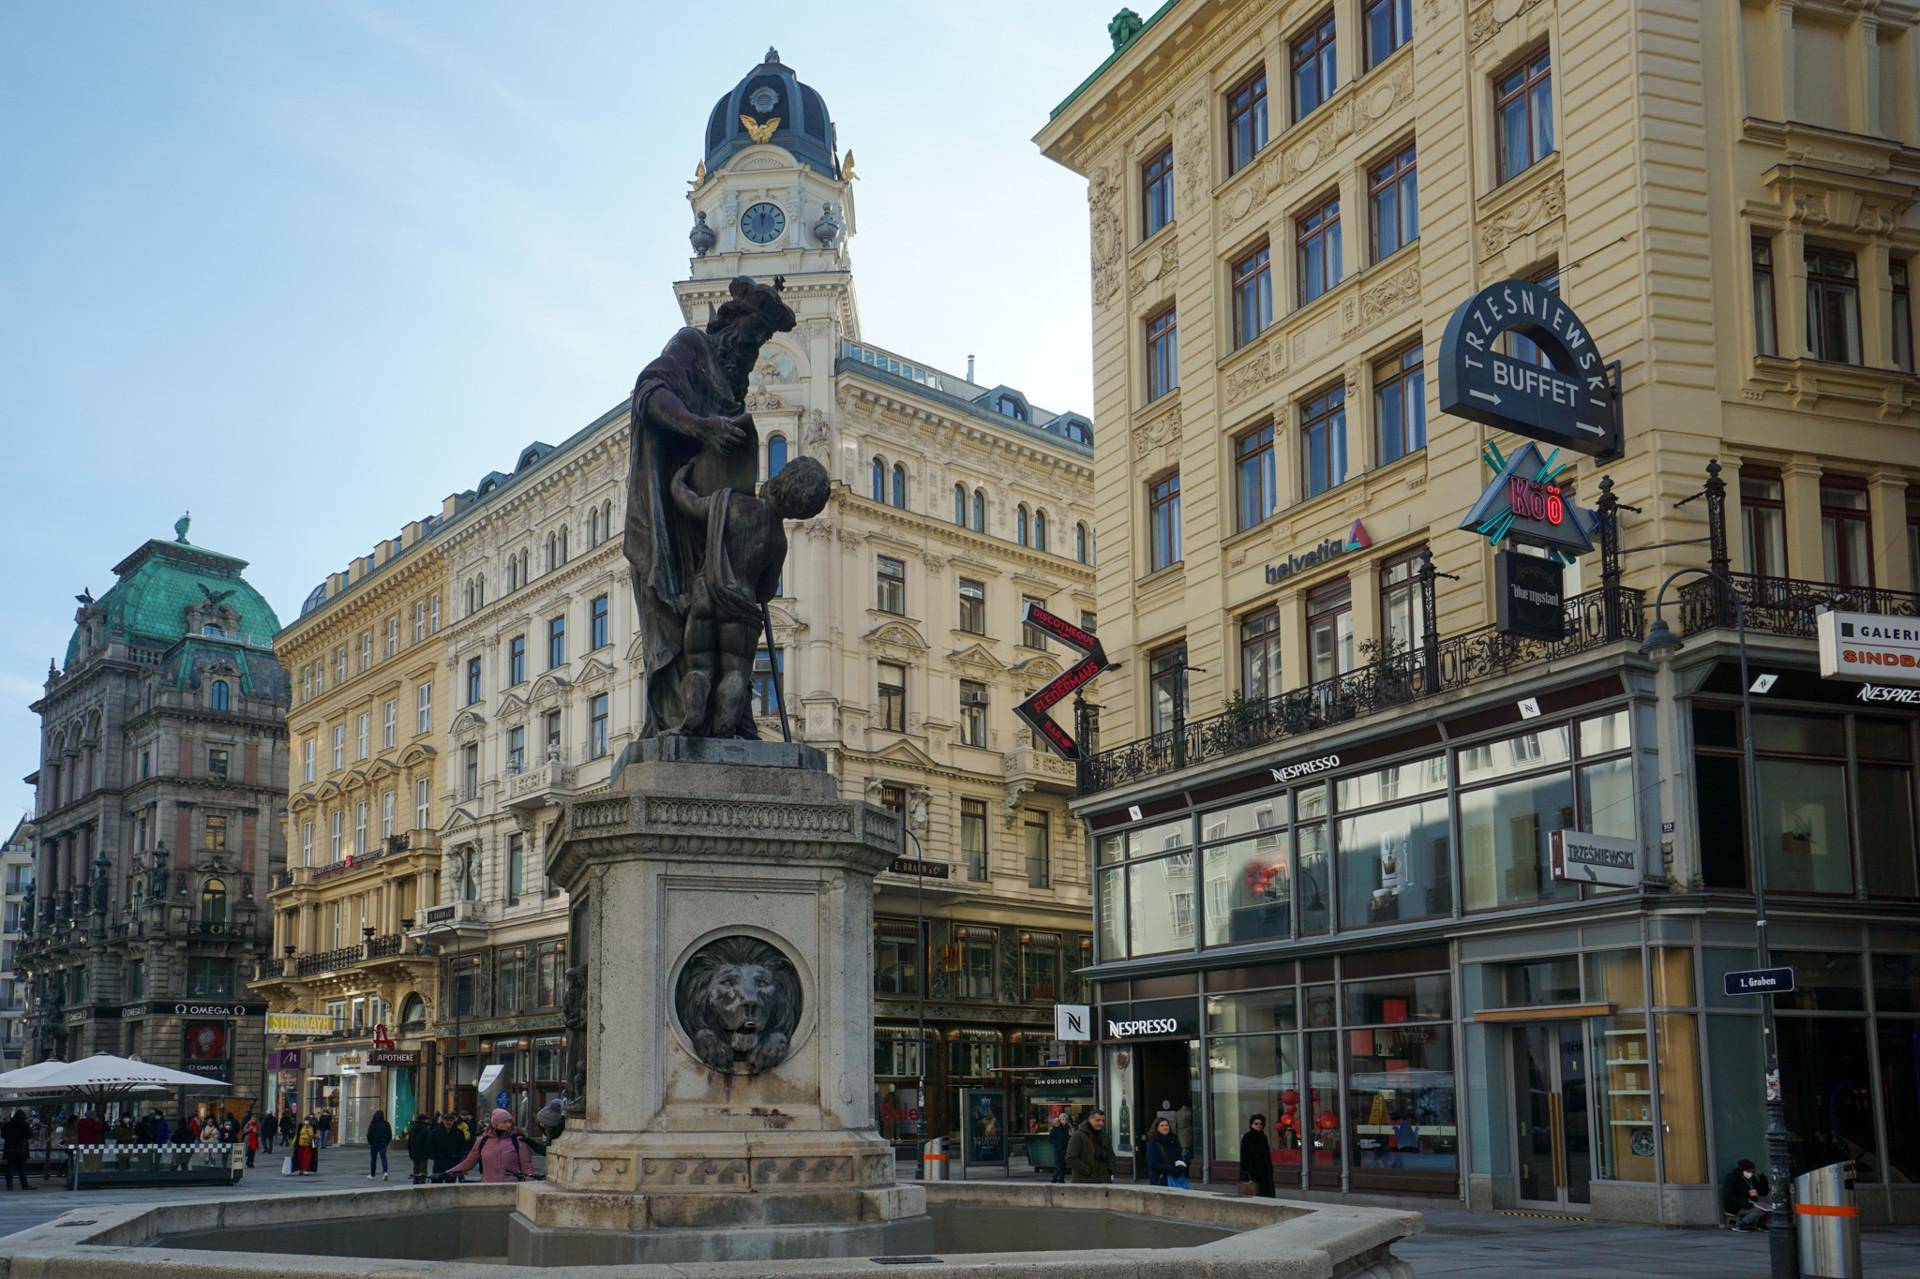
[
  {"x": 896, "y": 960},
  {"x": 1524, "y": 751},
  {"x": 1258, "y": 1075},
  {"x": 549, "y": 973},
  {"x": 209, "y": 978},
  {"x": 1392, "y": 784},
  {"x": 1846, "y": 535},
  {"x": 1162, "y": 914},
  {"x": 979, "y": 948},
  {"x": 895, "y": 1054},
  {"x": 1900, "y": 1096},
  {"x": 1503, "y": 840},
  {"x": 1110, "y": 929},
  {"x": 1039, "y": 968},
  {"x": 1395, "y": 865},
  {"x": 1803, "y": 831},
  {"x": 1827, "y": 1076},
  {"x": 974, "y": 1055},
  {"x": 1313, "y": 875},
  {"x": 1401, "y": 1125}
]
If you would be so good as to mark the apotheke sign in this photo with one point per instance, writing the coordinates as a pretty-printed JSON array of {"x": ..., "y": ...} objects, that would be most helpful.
[{"x": 1870, "y": 646}]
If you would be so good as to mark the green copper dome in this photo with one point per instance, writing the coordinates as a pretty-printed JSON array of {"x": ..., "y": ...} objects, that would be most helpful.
[{"x": 161, "y": 581}]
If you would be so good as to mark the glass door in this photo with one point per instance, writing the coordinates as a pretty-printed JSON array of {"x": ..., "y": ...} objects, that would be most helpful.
[{"x": 1554, "y": 1164}]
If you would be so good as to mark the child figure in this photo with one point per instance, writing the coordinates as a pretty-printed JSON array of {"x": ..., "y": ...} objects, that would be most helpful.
[{"x": 745, "y": 549}]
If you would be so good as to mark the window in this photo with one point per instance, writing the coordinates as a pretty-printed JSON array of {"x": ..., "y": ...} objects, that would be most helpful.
[
  {"x": 1031, "y": 636},
  {"x": 217, "y": 765},
  {"x": 973, "y": 606},
  {"x": 593, "y": 516},
  {"x": 979, "y": 511},
  {"x": 306, "y": 757},
  {"x": 306, "y": 682},
  {"x": 386, "y": 815},
  {"x": 1163, "y": 369},
  {"x": 393, "y": 635},
  {"x": 516, "y": 661},
  {"x": 900, "y": 486},
  {"x": 1523, "y": 115},
  {"x": 597, "y": 726},
  {"x": 1039, "y": 530},
  {"x": 1400, "y": 404},
  {"x": 1330, "y": 630},
  {"x": 896, "y": 960},
  {"x": 556, "y": 641},
  {"x": 333, "y": 834},
  {"x": 423, "y": 708},
  {"x": 516, "y": 868},
  {"x": 973, "y": 838},
  {"x": 1317, "y": 248},
  {"x": 208, "y": 977},
  {"x": 419, "y": 621},
  {"x": 1039, "y": 849},
  {"x": 1402, "y": 614},
  {"x": 1082, "y": 542},
  {"x": 767, "y": 674},
  {"x": 306, "y": 844},
  {"x": 1252, "y": 296},
  {"x": 366, "y": 649},
  {"x": 1163, "y": 522},
  {"x": 1021, "y": 524},
  {"x": 1255, "y": 496},
  {"x": 217, "y": 830},
  {"x": 891, "y": 585},
  {"x": 1314, "y": 72},
  {"x": 1846, "y": 540},
  {"x": 473, "y": 680},
  {"x": 550, "y": 737},
  {"x": 973, "y": 713},
  {"x": 776, "y": 455},
  {"x": 1765, "y": 332},
  {"x": 1902, "y": 315},
  {"x": 1246, "y": 120},
  {"x": 513, "y": 573},
  {"x": 1167, "y": 687},
  {"x": 878, "y": 477},
  {"x": 360, "y": 828},
  {"x": 340, "y": 665},
  {"x": 979, "y": 948},
  {"x": 1260, "y": 655},
  {"x": 1008, "y": 406},
  {"x": 469, "y": 771},
  {"x": 422, "y": 801},
  {"x": 1833, "y": 305},
  {"x": 960, "y": 505},
  {"x": 1763, "y": 514},
  {"x": 339, "y": 747},
  {"x": 433, "y": 613},
  {"x": 1393, "y": 204},
  {"x": 220, "y": 698},
  {"x": 389, "y": 724},
  {"x": 1323, "y": 440},
  {"x": 517, "y": 749},
  {"x": 893, "y": 697},
  {"x": 1387, "y": 24},
  {"x": 1156, "y": 191},
  {"x": 362, "y": 735}
]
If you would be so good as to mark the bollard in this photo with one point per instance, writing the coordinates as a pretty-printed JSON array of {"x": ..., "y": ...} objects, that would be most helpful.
[{"x": 1827, "y": 1220}]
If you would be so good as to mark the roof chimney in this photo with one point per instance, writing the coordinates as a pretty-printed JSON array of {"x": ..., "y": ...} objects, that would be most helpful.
[{"x": 969, "y": 368}]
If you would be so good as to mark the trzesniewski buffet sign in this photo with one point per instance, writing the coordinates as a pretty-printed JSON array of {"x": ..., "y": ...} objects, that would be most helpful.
[
  {"x": 1572, "y": 403},
  {"x": 1870, "y": 646}
]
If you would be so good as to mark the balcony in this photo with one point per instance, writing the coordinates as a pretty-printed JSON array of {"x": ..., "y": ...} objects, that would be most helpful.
[
  {"x": 543, "y": 784},
  {"x": 1038, "y": 769},
  {"x": 1781, "y": 605},
  {"x": 340, "y": 958}
]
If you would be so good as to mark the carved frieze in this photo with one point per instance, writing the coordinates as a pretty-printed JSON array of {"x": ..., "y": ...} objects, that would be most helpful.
[
  {"x": 1103, "y": 199},
  {"x": 1489, "y": 18},
  {"x": 1161, "y": 262},
  {"x": 1523, "y": 217},
  {"x": 1162, "y": 428},
  {"x": 1382, "y": 298},
  {"x": 1256, "y": 372}
]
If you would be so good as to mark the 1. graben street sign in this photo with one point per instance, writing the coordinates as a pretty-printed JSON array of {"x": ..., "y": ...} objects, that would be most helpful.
[
  {"x": 1034, "y": 710},
  {"x": 1574, "y": 402}
]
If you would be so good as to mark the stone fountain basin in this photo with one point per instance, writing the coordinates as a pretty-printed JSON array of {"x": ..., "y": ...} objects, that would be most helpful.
[{"x": 990, "y": 1230}]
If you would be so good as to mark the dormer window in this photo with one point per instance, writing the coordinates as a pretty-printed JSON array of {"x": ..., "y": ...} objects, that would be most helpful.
[
  {"x": 213, "y": 631},
  {"x": 1010, "y": 406}
]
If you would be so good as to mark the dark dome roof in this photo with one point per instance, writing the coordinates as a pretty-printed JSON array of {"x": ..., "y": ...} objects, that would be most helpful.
[{"x": 770, "y": 90}]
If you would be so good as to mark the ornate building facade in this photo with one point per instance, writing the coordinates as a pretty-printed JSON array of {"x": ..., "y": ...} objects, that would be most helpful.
[
  {"x": 16, "y": 876},
  {"x": 366, "y": 660},
  {"x": 1328, "y": 785},
  {"x": 163, "y": 762}
]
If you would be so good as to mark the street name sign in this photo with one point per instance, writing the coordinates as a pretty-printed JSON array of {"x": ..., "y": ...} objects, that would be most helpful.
[
  {"x": 1572, "y": 403},
  {"x": 1759, "y": 981},
  {"x": 1034, "y": 710}
]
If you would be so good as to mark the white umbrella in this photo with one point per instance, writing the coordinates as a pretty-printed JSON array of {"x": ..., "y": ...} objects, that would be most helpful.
[
  {"x": 104, "y": 1072},
  {"x": 28, "y": 1076}
]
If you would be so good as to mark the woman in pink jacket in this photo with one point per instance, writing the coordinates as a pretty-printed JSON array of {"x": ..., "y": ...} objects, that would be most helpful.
[{"x": 502, "y": 1153}]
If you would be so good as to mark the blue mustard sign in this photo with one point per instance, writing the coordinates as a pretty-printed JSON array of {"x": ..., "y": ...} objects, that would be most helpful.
[{"x": 1572, "y": 402}]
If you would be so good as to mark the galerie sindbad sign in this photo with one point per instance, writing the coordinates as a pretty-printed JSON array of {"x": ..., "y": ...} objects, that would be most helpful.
[{"x": 1574, "y": 403}]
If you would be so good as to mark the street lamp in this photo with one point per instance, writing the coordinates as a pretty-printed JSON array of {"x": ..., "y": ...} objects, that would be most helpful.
[
  {"x": 921, "y": 951},
  {"x": 1661, "y": 642},
  {"x": 453, "y": 1068}
]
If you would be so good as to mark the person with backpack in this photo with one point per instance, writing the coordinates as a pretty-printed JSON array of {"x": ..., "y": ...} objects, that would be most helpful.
[
  {"x": 500, "y": 1151},
  {"x": 379, "y": 1137}
]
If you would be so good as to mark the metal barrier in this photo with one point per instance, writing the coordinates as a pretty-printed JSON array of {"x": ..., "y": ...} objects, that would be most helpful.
[
  {"x": 1827, "y": 1221},
  {"x": 933, "y": 1156},
  {"x": 146, "y": 1164}
]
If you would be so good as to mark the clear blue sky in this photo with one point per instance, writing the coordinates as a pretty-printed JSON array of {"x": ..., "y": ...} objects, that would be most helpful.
[{"x": 305, "y": 269}]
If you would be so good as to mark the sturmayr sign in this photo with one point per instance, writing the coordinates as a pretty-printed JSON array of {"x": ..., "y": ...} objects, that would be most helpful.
[{"x": 1574, "y": 403}]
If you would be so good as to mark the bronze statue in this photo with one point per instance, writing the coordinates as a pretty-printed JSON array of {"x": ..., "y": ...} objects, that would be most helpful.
[{"x": 689, "y": 414}]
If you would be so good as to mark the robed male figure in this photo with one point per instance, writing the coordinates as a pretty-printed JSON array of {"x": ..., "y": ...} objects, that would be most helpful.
[{"x": 688, "y": 408}]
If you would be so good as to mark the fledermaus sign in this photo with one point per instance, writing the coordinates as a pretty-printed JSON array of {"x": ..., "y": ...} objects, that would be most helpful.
[{"x": 1574, "y": 403}]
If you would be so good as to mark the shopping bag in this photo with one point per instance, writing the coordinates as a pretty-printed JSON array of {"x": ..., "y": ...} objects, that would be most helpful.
[
  {"x": 286, "y": 1166},
  {"x": 1177, "y": 1183},
  {"x": 1246, "y": 1187}
]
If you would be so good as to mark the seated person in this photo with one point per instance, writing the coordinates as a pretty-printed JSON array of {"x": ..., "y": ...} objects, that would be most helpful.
[{"x": 1744, "y": 1199}]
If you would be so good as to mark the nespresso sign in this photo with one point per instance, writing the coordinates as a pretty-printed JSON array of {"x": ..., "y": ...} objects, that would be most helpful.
[{"x": 1150, "y": 1019}]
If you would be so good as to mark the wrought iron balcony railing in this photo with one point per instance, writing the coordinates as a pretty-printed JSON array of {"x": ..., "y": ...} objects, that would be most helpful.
[{"x": 1781, "y": 605}]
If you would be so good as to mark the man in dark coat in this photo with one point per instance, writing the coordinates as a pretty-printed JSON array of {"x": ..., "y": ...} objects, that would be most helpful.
[
  {"x": 1744, "y": 1197},
  {"x": 689, "y": 406},
  {"x": 420, "y": 1147},
  {"x": 268, "y": 1127},
  {"x": 1090, "y": 1152},
  {"x": 16, "y": 1140},
  {"x": 445, "y": 1146}
]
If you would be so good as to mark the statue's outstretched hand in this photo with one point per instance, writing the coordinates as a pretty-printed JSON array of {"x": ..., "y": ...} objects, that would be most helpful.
[{"x": 728, "y": 434}]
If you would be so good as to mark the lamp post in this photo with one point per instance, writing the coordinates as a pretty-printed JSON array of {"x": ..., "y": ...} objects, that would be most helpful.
[
  {"x": 453, "y": 1065},
  {"x": 921, "y": 950},
  {"x": 1662, "y": 642}
]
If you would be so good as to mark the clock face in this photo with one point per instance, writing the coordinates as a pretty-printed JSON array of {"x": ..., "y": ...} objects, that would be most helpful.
[{"x": 763, "y": 222}]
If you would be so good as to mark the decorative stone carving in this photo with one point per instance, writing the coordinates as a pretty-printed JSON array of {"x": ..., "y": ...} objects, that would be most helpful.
[
  {"x": 1256, "y": 372},
  {"x": 738, "y": 1000},
  {"x": 573, "y": 1015},
  {"x": 1154, "y": 432},
  {"x": 1489, "y": 18},
  {"x": 1523, "y": 217},
  {"x": 1190, "y": 152},
  {"x": 745, "y": 815},
  {"x": 1384, "y": 297},
  {"x": 1103, "y": 200},
  {"x": 1160, "y": 264}
]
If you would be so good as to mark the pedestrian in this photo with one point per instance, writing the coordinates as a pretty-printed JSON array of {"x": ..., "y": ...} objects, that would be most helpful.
[
  {"x": 253, "y": 1138},
  {"x": 1256, "y": 1159},
  {"x": 324, "y": 1121},
  {"x": 419, "y": 1147},
  {"x": 379, "y": 1137},
  {"x": 1059, "y": 1135},
  {"x": 16, "y": 1141},
  {"x": 306, "y": 1150},
  {"x": 1090, "y": 1152},
  {"x": 446, "y": 1148},
  {"x": 268, "y": 1127},
  {"x": 212, "y": 1149},
  {"x": 230, "y": 1128},
  {"x": 161, "y": 1129},
  {"x": 1744, "y": 1198},
  {"x": 87, "y": 1130},
  {"x": 500, "y": 1151},
  {"x": 1166, "y": 1162}
]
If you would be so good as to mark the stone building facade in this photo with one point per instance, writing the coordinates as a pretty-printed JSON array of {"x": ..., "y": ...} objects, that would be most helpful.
[
  {"x": 163, "y": 763},
  {"x": 16, "y": 881},
  {"x": 366, "y": 660},
  {"x": 1288, "y": 201}
]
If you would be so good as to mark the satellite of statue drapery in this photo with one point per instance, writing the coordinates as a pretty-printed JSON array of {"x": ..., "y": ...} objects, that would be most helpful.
[{"x": 704, "y": 547}]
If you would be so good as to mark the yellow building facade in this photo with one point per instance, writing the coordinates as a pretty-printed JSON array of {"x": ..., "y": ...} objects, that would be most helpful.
[
  {"x": 367, "y": 659},
  {"x": 1288, "y": 201}
]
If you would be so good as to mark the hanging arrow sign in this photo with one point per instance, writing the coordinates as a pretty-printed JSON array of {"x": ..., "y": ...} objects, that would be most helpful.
[{"x": 1034, "y": 711}]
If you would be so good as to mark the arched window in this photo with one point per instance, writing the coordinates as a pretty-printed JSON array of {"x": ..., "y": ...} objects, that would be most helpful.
[
  {"x": 513, "y": 573},
  {"x": 979, "y": 510},
  {"x": 776, "y": 454},
  {"x": 1080, "y": 550},
  {"x": 593, "y": 527},
  {"x": 879, "y": 478},
  {"x": 413, "y": 1012},
  {"x": 553, "y": 547},
  {"x": 213, "y": 631},
  {"x": 1020, "y": 524},
  {"x": 526, "y": 568},
  {"x": 1040, "y": 530},
  {"x": 564, "y": 554},
  {"x": 606, "y": 516},
  {"x": 900, "y": 486},
  {"x": 222, "y": 697},
  {"x": 960, "y": 505},
  {"x": 213, "y": 902}
]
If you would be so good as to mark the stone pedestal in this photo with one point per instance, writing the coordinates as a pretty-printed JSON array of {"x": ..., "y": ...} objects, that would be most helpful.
[{"x": 723, "y": 902}]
